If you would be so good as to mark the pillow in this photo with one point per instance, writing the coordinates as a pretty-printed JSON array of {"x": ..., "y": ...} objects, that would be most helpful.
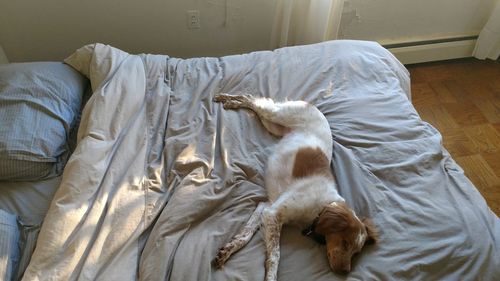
[{"x": 38, "y": 105}]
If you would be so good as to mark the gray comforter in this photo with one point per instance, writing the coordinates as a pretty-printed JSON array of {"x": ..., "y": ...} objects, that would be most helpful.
[{"x": 162, "y": 176}]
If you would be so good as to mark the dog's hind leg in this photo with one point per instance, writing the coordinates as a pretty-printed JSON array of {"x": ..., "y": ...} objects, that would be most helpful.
[
  {"x": 275, "y": 129},
  {"x": 240, "y": 239},
  {"x": 278, "y": 117},
  {"x": 236, "y": 101}
]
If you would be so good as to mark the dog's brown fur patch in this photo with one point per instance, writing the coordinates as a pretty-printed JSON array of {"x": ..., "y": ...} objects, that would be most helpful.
[{"x": 310, "y": 161}]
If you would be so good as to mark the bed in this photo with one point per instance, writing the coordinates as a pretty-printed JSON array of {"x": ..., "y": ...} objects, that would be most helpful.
[{"x": 161, "y": 176}]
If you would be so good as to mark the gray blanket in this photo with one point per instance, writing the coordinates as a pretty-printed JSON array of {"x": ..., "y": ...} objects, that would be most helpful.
[{"x": 162, "y": 176}]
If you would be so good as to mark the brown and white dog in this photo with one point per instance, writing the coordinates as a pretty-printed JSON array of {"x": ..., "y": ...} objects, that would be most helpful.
[{"x": 300, "y": 186}]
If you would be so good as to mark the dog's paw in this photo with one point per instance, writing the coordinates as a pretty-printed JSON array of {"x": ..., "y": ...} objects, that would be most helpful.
[
  {"x": 236, "y": 100},
  {"x": 222, "y": 256},
  {"x": 229, "y": 101},
  {"x": 222, "y": 97},
  {"x": 219, "y": 261}
]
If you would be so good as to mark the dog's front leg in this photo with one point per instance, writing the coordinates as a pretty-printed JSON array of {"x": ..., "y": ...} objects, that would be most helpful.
[
  {"x": 240, "y": 239},
  {"x": 272, "y": 230}
]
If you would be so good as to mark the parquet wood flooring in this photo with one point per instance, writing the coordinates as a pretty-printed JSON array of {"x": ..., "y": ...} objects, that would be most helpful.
[{"x": 461, "y": 98}]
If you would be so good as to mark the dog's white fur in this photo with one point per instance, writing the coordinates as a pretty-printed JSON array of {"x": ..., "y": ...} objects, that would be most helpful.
[{"x": 292, "y": 200}]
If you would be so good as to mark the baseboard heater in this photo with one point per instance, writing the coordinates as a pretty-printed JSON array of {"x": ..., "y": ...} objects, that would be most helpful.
[{"x": 433, "y": 50}]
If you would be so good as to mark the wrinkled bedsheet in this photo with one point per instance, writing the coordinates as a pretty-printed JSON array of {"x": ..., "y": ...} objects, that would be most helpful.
[{"x": 162, "y": 176}]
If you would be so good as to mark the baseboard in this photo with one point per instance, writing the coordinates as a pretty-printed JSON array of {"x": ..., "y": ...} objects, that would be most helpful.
[{"x": 436, "y": 50}]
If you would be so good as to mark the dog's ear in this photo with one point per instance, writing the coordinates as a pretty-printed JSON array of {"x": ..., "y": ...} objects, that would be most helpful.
[
  {"x": 333, "y": 218},
  {"x": 371, "y": 230}
]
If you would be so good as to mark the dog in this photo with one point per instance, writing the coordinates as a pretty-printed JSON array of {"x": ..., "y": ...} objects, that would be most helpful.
[{"x": 300, "y": 186}]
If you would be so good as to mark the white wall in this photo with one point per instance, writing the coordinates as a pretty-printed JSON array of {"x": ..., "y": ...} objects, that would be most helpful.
[
  {"x": 3, "y": 57},
  {"x": 53, "y": 29},
  {"x": 398, "y": 21}
]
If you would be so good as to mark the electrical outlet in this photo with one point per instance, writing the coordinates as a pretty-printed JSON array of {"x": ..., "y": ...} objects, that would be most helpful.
[{"x": 193, "y": 19}]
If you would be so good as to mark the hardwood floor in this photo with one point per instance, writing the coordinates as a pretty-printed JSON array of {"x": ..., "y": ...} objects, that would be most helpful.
[{"x": 461, "y": 98}]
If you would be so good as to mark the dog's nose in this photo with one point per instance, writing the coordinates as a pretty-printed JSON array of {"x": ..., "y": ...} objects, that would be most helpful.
[
  {"x": 343, "y": 268},
  {"x": 346, "y": 268},
  {"x": 338, "y": 265}
]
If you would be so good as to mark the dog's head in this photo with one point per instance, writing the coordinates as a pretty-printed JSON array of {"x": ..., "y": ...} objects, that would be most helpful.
[{"x": 345, "y": 234}]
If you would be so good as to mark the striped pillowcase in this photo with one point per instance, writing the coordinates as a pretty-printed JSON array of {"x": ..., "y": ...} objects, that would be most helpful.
[{"x": 39, "y": 103}]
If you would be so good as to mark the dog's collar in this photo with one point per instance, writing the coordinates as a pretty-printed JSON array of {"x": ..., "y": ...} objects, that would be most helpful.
[{"x": 311, "y": 233}]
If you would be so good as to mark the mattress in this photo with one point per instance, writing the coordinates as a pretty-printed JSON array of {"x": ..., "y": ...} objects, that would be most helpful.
[{"x": 162, "y": 176}]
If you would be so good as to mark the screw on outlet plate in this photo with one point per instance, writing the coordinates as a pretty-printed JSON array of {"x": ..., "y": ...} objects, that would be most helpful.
[{"x": 193, "y": 19}]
